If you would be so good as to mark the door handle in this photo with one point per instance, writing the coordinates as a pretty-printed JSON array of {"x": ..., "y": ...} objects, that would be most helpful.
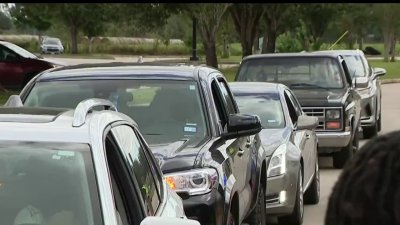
[{"x": 240, "y": 152}]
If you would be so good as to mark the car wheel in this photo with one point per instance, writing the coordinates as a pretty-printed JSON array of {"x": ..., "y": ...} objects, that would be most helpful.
[
  {"x": 311, "y": 196},
  {"x": 372, "y": 131},
  {"x": 341, "y": 157},
  {"x": 296, "y": 218},
  {"x": 259, "y": 215}
]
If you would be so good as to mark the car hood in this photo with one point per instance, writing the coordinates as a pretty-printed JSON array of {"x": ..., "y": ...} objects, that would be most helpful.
[
  {"x": 319, "y": 97},
  {"x": 52, "y": 61},
  {"x": 175, "y": 156},
  {"x": 271, "y": 139}
]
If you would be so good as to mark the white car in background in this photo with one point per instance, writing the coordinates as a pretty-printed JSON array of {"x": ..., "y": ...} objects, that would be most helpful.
[{"x": 51, "y": 45}]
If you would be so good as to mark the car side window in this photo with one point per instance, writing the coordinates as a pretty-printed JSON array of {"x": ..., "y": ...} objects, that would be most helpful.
[
  {"x": 295, "y": 103},
  {"x": 128, "y": 208},
  {"x": 292, "y": 110},
  {"x": 6, "y": 54},
  {"x": 230, "y": 102},
  {"x": 139, "y": 166},
  {"x": 219, "y": 104}
]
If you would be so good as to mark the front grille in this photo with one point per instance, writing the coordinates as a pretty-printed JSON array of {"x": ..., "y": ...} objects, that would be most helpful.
[{"x": 317, "y": 112}]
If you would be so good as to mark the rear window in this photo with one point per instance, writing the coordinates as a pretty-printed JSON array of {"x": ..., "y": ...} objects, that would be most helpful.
[{"x": 294, "y": 72}]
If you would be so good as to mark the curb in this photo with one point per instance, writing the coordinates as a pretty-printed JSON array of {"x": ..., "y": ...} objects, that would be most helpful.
[{"x": 390, "y": 81}]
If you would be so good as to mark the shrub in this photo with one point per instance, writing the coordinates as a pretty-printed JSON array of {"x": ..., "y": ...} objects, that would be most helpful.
[{"x": 288, "y": 42}]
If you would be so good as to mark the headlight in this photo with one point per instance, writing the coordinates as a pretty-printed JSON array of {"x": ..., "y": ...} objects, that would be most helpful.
[
  {"x": 332, "y": 114},
  {"x": 277, "y": 164},
  {"x": 364, "y": 91},
  {"x": 193, "y": 182}
]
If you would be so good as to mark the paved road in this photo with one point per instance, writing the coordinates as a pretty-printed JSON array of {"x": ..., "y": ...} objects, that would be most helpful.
[{"x": 314, "y": 215}]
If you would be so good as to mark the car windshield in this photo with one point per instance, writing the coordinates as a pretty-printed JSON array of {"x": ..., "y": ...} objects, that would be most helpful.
[
  {"x": 266, "y": 105},
  {"x": 20, "y": 51},
  {"x": 51, "y": 41},
  {"x": 47, "y": 182},
  {"x": 165, "y": 110},
  {"x": 294, "y": 72},
  {"x": 355, "y": 65}
]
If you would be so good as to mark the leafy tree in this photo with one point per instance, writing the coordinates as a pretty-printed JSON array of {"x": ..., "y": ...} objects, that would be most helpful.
[
  {"x": 246, "y": 18},
  {"x": 35, "y": 15},
  {"x": 5, "y": 22},
  {"x": 317, "y": 17},
  {"x": 277, "y": 19},
  {"x": 209, "y": 17}
]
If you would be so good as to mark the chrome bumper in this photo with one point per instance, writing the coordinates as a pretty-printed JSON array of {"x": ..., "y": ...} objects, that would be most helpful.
[{"x": 333, "y": 139}]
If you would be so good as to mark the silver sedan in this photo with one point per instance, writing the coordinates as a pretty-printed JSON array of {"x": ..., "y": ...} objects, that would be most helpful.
[{"x": 288, "y": 136}]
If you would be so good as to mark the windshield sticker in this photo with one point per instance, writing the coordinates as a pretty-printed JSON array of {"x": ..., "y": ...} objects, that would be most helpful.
[
  {"x": 66, "y": 153},
  {"x": 190, "y": 129},
  {"x": 192, "y": 87}
]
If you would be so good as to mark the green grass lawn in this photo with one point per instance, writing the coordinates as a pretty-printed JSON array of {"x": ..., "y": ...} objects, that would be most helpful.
[{"x": 79, "y": 56}]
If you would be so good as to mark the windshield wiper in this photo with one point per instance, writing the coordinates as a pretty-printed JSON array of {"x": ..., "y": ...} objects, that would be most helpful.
[{"x": 307, "y": 85}]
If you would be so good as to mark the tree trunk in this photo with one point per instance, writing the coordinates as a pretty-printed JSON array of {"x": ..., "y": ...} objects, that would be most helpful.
[
  {"x": 265, "y": 42},
  {"x": 393, "y": 49},
  {"x": 256, "y": 44},
  {"x": 74, "y": 39},
  {"x": 386, "y": 40},
  {"x": 226, "y": 52},
  {"x": 247, "y": 48},
  {"x": 91, "y": 39},
  {"x": 271, "y": 43},
  {"x": 211, "y": 54}
]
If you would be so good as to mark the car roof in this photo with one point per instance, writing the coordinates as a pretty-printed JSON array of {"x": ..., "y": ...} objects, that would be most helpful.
[
  {"x": 121, "y": 70},
  {"x": 293, "y": 54},
  {"x": 255, "y": 87},
  {"x": 53, "y": 124}
]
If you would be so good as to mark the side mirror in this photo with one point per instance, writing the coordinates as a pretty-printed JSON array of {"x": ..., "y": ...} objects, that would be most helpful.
[
  {"x": 14, "y": 101},
  {"x": 153, "y": 220},
  {"x": 307, "y": 122},
  {"x": 360, "y": 82},
  {"x": 377, "y": 72},
  {"x": 242, "y": 125}
]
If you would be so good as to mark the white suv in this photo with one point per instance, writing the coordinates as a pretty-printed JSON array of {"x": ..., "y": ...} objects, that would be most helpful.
[{"x": 61, "y": 166}]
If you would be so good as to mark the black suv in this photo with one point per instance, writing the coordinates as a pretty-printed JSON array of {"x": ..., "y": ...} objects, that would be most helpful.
[
  {"x": 325, "y": 88},
  {"x": 209, "y": 153}
]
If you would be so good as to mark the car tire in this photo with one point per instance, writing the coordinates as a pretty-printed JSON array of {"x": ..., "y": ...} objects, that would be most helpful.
[
  {"x": 259, "y": 215},
  {"x": 296, "y": 217},
  {"x": 370, "y": 132},
  {"x": 311, "y": 196},
  {"x": 341, "y": 157}
]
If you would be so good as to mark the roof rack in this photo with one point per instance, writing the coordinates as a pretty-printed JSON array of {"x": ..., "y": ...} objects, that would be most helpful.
[{"x": 86, "y": 106}]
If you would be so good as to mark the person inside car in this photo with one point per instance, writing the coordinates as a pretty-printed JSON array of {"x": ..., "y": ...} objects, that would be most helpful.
[{"x": 368, "y": 190}]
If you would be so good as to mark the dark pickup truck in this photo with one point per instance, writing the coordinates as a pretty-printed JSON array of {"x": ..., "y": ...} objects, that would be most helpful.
[
  {"x": 325, "y": 88},
  {"x": 210, "y": 154}
]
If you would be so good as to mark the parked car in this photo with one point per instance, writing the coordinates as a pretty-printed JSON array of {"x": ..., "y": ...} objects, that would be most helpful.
[
  {"x": 323, "y": 85},
  {"x": 210, "y": 153},
  {"x": 371, "y": 92},
  {"x": 79, "y": 166},
  {"x": 289, "y": 138},
  {"x": 18, "y": 66},
  {"x": 51, "y": 45}
]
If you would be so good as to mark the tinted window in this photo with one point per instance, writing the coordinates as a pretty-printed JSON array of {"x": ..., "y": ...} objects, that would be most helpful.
[
  {"x": 51, "y": 41},
  {"x": 294, "y": 102},
  {"x": 292, "y": 110},
  {"x": 355, "y": 65},
  {"x": 228, "y": 98},
  {"x": 166, "y": 111},
  {"x": 56, "y": 181},
  {"x": 6, "y": 54},
  {"x": 137, "y": 160},
  {"x": 266, "y": 105},
  {"x": 294, "y": 72},
  {"x": 19, "y": 50}
]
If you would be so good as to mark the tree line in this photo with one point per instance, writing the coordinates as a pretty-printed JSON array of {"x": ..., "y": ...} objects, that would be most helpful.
[{"x": 311, "y": 23}]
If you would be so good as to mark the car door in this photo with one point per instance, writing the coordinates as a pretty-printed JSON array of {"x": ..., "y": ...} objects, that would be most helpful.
[
  {"x": 238, "y": 149},
  {"x": 305, "y": 139},
  {"x": 9, "y": 68}
]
